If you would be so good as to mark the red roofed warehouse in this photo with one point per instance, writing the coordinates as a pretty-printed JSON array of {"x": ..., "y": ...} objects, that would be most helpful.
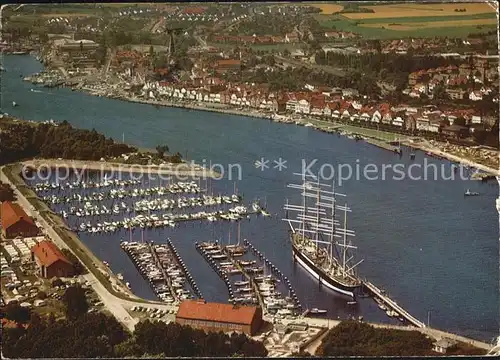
[
  {"x": 50, "y": 260},
  {"x": 219, "y": 317},
  {"x": 15, "y": 222}
]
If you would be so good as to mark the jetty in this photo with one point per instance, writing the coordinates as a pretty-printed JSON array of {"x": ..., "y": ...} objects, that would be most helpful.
[
  {"x": 183, "y": 169},
  {"x": 381, "y": 296}
]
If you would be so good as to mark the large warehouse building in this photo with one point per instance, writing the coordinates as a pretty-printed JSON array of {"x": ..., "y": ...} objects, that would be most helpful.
[
  {"x": 50, "y": 261},
  {"x": 219, "y": 317},
  {"x": 15, "y": 222}
]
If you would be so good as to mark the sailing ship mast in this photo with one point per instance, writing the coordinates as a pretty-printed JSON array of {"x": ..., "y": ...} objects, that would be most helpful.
[{"x": 319, "y": 220}]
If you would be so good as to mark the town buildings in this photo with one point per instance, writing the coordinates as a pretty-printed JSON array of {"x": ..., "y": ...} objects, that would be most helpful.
[
  {"x": 219, "y": 317},
  {"x": 50, "y": 261},
  {"x": 15, "y": 222}
]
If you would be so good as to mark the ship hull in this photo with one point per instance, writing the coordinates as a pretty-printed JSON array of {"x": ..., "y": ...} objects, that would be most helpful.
[{"x": 321, "y": 276}]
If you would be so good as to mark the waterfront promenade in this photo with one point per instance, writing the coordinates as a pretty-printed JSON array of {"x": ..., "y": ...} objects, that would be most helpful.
[{"x": 377, "y": 138}]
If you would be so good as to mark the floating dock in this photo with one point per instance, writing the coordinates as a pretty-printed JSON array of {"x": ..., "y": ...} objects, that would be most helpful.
[{"x": 189, "y": 278}]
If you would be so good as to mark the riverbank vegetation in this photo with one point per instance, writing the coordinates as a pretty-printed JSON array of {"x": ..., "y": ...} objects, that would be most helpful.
[
  {"x": 90, "y": 335},
  {"x": 351, "y": 338},
  {"x": 6, "y": 193},
  {"x": 23, "y": 140}
]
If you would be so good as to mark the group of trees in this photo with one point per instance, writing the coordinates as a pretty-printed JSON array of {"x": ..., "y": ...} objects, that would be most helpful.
[
  {"x": 78, "y": 267},
  {"x": 6, "y": 193},
  {"x": 23, "y": 140},
  {"x": 389, "y": 67},
  {"x": 351, "y": 338},
  {"x": 89, "y": 335}
]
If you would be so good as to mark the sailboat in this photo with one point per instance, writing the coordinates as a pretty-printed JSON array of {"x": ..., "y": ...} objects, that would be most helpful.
[{"x": 314, "y": 237}]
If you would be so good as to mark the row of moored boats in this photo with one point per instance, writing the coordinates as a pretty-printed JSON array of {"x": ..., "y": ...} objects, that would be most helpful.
[{"x": 160, "y": 267}]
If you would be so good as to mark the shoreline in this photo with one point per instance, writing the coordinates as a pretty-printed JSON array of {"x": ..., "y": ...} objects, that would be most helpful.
[
  {"x": 373, "y": 140},
  {"x": 317, "y": 124}
]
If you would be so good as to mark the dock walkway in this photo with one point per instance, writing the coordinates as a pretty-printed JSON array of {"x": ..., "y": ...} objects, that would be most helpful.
[{"x": 392, "y": 304}]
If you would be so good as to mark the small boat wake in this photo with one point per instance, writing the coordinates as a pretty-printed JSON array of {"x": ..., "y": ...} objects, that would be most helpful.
[{"x": 36, "y": 91}]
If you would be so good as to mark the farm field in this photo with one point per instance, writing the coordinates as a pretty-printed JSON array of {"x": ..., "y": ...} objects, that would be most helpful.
[
  {"x": 328, "y": 8},
  {"x": 434, "y": 24},
  {"x": 418, "y": 9},
  {"x": 391, "y": 27}
]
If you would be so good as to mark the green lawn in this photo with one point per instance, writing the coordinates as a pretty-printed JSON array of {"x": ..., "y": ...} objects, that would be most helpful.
[{"x": 342, "y": 23}]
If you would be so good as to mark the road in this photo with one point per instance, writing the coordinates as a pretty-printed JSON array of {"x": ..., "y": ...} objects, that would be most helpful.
[
  {"x": 202, "y": 42},
  {"x": 158, "y": 25}
]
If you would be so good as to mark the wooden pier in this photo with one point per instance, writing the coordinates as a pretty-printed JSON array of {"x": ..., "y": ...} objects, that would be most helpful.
[{"x": 379, "y": 294}]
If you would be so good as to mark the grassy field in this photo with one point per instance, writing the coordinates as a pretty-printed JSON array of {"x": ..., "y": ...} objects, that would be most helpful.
[
  {"x": 372, "y": 29},
  {"x": 418, "y": 9}
]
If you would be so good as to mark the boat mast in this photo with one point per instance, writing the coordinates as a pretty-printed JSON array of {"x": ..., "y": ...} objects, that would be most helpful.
[
  {"x": 304, "y": 208},
  {"x": 317, "y": 215},
  {"x": 239, "y": 233},
  {"x": 345, "y": 240},
  {"x": 332, "y": 223}
]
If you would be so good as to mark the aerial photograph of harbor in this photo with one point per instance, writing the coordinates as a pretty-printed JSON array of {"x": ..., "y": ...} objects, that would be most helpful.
[{"x": 249, "y": 179}]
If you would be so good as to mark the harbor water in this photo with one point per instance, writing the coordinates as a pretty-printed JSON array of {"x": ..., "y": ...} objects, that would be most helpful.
[{"x": 431, "y": 249}]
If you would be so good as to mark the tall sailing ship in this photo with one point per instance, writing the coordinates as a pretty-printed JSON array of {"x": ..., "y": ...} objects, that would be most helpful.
[{"x": 320, "y": 240}]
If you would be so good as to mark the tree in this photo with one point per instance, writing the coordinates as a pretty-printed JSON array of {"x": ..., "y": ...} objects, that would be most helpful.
[
  {"x": 459, "y": 121},
  {"x": 75, "y": 301},
  {"x": 162, "y": 149},
  {"x": 78, "y": 268},
  {"x": 17, "y": 313}
]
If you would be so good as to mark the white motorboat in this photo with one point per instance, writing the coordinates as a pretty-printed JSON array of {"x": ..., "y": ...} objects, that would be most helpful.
[{"x": 317, "y": 311}]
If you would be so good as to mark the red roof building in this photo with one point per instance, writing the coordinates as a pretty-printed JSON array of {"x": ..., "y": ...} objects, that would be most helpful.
[
  {"x": 228, "y": 64},
  {"x": 15, "y": 222},
  {"x": 219, "y": 317},
  {"x": 50, "y": 261}
]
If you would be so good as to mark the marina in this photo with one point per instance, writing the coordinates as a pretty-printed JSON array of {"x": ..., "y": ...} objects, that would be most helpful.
[
  {"x": 382, "y": 212},
  {"x": 166, "y": 206}
]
